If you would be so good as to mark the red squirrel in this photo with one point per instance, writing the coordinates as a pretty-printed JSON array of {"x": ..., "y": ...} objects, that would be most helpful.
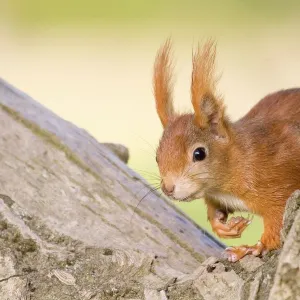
[{"x": 251, "y": 165}]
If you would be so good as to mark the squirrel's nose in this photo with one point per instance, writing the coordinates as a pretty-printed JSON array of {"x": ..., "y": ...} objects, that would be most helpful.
[{"x": 168, "y": 189}]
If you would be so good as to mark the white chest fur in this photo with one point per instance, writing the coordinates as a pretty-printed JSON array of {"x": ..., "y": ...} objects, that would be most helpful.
[{"x": 229, "y": 201}]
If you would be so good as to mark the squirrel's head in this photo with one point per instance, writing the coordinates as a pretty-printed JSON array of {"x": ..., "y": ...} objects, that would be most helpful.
[{"x": 194, "y": 147}]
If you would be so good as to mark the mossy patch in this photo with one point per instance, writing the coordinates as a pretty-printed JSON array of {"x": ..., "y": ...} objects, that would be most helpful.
[
  {"x": 11, "y": 235},
  {"x": 26, "y": 245},
  {"x": 7, "y": 200}
]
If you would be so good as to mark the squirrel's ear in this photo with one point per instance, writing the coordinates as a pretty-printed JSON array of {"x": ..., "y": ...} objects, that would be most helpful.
[
  {"x": 208, "y": 107},
  {"x": 162, "y": 83}
]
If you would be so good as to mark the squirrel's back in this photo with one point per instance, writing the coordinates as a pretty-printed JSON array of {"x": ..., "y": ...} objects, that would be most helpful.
[
  {"x": 268, "y": 137},
  {"x": 281, "y": 105}
]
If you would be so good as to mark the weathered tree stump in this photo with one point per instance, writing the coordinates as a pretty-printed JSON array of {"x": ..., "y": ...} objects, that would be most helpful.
[{"x": 67, "y": 231}]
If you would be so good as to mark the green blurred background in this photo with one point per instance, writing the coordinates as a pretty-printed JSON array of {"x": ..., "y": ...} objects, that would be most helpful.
[{"x": 91, "y": 63}]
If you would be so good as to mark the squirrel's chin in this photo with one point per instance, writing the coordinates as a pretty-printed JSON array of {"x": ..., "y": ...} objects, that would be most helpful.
[{"x": 192, "y": 197}]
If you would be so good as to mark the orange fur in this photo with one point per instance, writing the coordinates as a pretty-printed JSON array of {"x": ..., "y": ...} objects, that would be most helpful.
[
  {"x": 208, "y": 106},
  {"x": 257, "y": 165},
  {"x": 205, "y": 102},
  {"x": 162, "y": 83}
]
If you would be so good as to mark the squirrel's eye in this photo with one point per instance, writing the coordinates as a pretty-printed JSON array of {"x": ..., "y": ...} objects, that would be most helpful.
[{"x": 199, "y": 154}]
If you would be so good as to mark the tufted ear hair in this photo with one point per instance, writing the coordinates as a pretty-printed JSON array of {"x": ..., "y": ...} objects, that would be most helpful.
[
  {"x": 162, "y": 83},
  {"x": 208, "y": 107}
]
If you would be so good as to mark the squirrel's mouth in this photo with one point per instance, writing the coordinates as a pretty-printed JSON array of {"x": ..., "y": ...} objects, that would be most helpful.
[
  {"x": 188, "y": 198},
  {"x": 184, "y": 199}
]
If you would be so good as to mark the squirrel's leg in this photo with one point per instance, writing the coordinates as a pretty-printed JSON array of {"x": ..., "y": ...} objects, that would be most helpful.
[
  {"x": 270, "y": 239},
  {"x": 217, "y": 217},
  {"x": 272, "y": 226}
]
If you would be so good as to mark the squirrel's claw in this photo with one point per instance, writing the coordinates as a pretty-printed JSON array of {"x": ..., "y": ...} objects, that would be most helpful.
[
  {"x": 236, "y": 253},
  {"x": 232, "y": 229}
]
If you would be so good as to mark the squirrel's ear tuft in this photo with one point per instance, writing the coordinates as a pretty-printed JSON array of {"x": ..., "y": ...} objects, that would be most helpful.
[
  {"x": 208, "y": 107},
  {"x": 162, "y": 83}
]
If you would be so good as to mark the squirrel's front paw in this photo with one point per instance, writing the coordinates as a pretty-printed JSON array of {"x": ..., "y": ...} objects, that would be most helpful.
[
  {"x": 232, "y": 229},
  {"x": 236, "y": 253}
]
